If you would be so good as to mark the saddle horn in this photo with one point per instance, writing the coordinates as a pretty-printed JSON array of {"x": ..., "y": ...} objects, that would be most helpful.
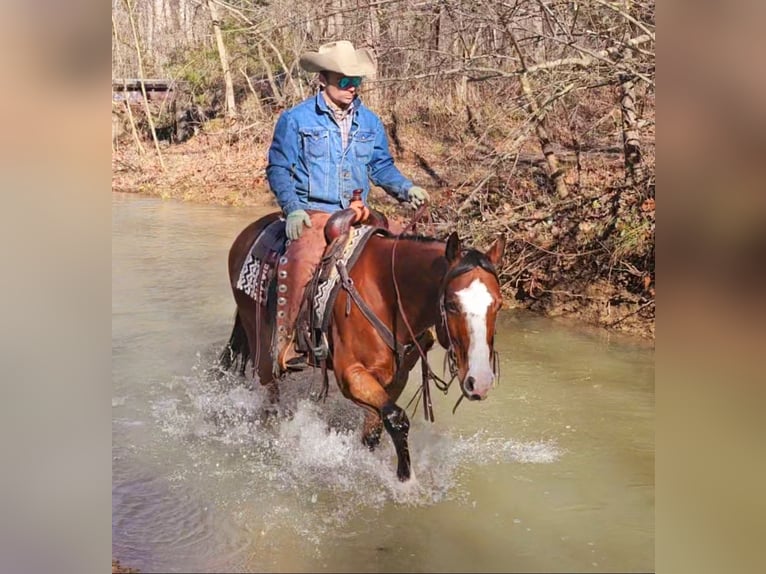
[{"x": 341, "y": 221}]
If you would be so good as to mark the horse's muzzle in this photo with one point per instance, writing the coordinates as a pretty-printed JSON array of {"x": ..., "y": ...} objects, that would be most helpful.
[{"x": 471, "y": 391}]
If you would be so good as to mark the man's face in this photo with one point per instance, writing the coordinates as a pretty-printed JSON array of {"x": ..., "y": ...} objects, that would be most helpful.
[{"x": 341, "y": 97}]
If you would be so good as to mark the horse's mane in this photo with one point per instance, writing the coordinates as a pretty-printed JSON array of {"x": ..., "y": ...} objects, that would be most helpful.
[
  {"x": 470, "y": 258},
  {"x": 406, "y": 236}
]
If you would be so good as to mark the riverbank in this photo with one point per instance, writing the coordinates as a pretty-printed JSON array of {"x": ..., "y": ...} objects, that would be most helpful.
[
  {"x": 572, "y": 259},
  {"x": 118, "y": 568}
]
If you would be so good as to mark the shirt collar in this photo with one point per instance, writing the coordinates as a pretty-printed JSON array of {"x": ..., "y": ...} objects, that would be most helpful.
[{"x": 323, "y": 105}]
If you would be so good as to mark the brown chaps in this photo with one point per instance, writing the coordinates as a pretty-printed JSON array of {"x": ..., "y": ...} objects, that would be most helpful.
[{"x": 294, "y": 271}]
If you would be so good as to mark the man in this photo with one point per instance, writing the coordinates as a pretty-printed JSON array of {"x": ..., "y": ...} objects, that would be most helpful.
[{"x": 323, "y": 149}]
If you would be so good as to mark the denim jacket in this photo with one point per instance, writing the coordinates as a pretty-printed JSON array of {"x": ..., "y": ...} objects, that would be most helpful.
[{"x": 308, "y": 169}]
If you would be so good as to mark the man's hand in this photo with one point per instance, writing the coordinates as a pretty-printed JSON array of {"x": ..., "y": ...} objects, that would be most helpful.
[
  {"x": 295, "y": 222},
  {"x": 418, "y": 196}
]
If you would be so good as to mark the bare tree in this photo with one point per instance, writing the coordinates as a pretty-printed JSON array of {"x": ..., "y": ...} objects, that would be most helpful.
[
  {"x": 630, "y": 135},
  {"x": 117, "y": 53},
  {"x": 231, "y": 104},
  {"x": 147, "y": 108},
  {"x": 517, "y": 64}
]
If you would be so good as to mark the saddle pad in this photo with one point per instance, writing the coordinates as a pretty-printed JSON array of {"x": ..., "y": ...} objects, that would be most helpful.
[
  {"x": 260, "y": 263},
  {"x": 354, "y": 241}
]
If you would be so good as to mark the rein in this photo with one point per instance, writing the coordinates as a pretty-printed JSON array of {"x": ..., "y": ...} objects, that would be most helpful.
[
  {"x": 449, "y": 358},
  {"x": 428, "y": 374},
  {"x": 388, "y": 336}
]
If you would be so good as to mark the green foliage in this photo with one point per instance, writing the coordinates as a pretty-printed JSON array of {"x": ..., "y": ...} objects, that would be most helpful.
[{"x": 199, "y": 71}]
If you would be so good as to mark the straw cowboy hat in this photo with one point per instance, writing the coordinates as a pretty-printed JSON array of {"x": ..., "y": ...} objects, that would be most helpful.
[{"x": 340, "y": 57}]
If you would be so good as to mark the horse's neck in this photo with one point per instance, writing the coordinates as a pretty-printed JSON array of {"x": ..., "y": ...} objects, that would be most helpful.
[{"x": 419, "y": 268}]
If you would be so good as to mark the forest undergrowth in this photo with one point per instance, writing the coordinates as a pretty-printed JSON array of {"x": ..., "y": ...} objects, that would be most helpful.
[{"x": 588, "y": 256}]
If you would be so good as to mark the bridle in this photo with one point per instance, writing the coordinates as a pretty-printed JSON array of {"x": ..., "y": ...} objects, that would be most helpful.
[
  {"x": 450, "y": 357},
  {"x": 427, "y": 373}
]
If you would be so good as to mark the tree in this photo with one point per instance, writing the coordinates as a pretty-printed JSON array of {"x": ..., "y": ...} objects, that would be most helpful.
[
  {"x": 231, "y": 104},
  {"x": 139, "y": 59}
]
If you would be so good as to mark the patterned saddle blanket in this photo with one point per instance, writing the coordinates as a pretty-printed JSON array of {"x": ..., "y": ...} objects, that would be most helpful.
[
  {"x": 257, "y": 278},
  {"x": 259, "y": 268},
  {"x": 322, "y": 290},
  {"x": 345, "y": 249}
]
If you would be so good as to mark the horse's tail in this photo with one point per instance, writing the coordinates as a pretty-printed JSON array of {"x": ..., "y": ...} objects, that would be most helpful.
[{"x": 237, "y": 349}]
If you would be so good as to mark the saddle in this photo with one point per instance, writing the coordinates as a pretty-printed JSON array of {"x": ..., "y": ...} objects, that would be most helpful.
[
  {"x": 295, "y": 282},
  {"x": 345, "y": 234},
  {"x": 320, "y": 294}
]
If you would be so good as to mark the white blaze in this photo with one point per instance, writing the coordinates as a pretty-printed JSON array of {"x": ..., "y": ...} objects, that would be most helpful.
[{"x": 475, "y": 301}]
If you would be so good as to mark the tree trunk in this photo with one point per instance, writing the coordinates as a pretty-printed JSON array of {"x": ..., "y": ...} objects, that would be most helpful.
[
  {"x": 555, "y": 172},
  {"x": 630, "y": 138},
  {"x": 373, "y": 96},
  {"x": 277, "y": 93},
  {"x": 231, "y": 104},
  {"x": 339, "y": 28},
  {"x": 186, "y": 12},
  {"x": 117, "y": 53},
  {"x": 140, "y": 60},
  {"x": 335, "y": 20}
]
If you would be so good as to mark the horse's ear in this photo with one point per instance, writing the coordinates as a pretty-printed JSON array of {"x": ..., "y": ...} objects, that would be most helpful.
[
  {"x": 453, "y": 247},
  {"x": 495, "y": 253}
]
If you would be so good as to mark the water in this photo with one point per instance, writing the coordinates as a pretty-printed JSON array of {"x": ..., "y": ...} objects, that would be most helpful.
[{"x": 553, "y": 472}]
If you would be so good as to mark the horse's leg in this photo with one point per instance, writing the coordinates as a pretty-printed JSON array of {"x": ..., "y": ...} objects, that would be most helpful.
[
  {"x": 265, "y": 368},
  {"x": 258, "y": 335},
  {"x": 372, "y": 429},
  {"x": 373, "y": 425},
  {"x": 398, "y": 426},
  {"x": 267, "y": 379},
  {"x": 361, "y": 387}
]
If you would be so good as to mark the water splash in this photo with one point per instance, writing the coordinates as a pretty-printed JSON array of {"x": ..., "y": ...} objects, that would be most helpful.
[{"x": 312, "y": 455}]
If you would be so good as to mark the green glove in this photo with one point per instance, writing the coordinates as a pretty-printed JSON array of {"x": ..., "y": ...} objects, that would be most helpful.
[
  {"x": 418, "y": 196},
  {"x": 295, "y": 222}
]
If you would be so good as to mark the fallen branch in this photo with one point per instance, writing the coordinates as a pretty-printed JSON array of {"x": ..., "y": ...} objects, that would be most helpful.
[{"x": 621, "y": 319}]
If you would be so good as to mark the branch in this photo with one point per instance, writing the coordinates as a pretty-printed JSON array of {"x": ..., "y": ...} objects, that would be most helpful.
[
  {"x": 621, "y": 319},
  {"x": 589, "y": 56},
  {"x": 588, "y": 59},
  {"x": 627, "y": 16},
  {"x": 142, "y": 75},
  {"x": 234, "y": 11}
]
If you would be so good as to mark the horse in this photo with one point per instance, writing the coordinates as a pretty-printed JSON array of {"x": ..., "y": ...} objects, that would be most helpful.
[{"x": 398, "y": 291}]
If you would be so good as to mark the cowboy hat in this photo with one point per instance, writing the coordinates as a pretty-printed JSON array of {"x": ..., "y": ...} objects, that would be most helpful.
[{"x": 340, "y": 57}]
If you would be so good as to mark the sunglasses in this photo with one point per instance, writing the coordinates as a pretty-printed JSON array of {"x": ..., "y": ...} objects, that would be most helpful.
[{"x": 347, "y": 81}]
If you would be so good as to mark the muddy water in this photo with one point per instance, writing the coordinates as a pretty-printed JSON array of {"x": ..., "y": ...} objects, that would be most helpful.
[{"x": 553, "y": 472}]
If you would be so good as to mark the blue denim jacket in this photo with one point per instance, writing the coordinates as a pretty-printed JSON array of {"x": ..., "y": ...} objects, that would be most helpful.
[{"x": 308, "y": 169}]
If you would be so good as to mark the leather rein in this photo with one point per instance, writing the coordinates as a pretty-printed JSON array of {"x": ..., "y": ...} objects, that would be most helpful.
[
  {"x": 400, "y": 350},
  {"x": 426, "y": 370},
  {"x": 450, "y": 359}
]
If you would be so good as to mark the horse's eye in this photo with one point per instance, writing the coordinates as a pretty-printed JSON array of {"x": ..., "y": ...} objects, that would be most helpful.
[{"x": 451, "y": 307}]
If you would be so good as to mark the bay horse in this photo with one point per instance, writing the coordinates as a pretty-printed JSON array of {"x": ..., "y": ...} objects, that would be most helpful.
[{"x": 397, "y": 292}]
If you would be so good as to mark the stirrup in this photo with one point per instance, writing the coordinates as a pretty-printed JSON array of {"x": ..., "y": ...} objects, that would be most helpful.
[
  {"x": 297, "y": 363},
  {"x": 321, "y": 351}
]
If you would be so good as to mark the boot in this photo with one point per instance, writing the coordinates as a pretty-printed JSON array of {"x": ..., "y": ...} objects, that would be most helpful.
[{"x": 294, "y": 271}]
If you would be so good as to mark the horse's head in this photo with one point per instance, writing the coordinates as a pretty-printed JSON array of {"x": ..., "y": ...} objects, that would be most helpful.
[{"x": 470, "y": 300}]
